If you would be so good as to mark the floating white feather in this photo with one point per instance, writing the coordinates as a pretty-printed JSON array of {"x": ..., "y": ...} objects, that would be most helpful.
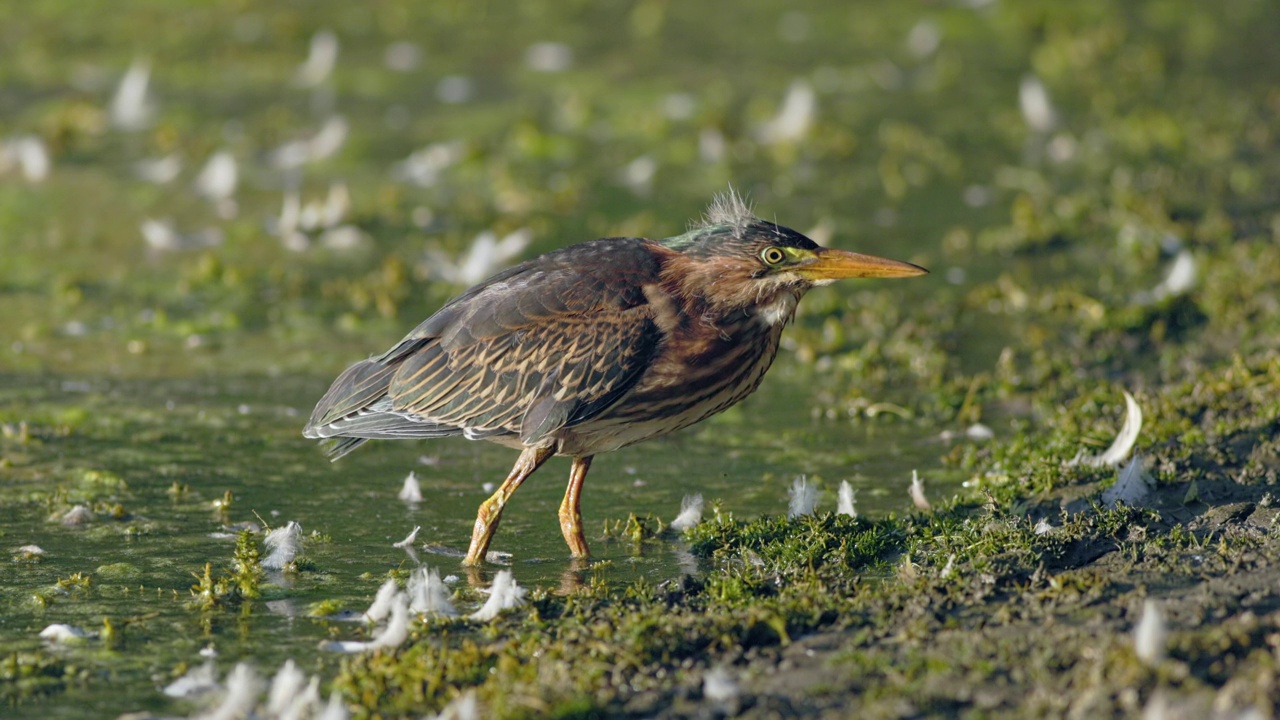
[
  {"x": 78, "y": 515},
  {"x": 197, "y": 681},
  {"x": 29, "y": 154},
  {"x": 393, "y": 634},
  {"x": 324, "y": 143},
  {"x": 690, "y": 513},
  {"x": 463, "y": 707},
  {"x": 804, "y": 498},
  {"x": 284, "y": 544},
  {"x": 397, "y": 628},
  {"x": 411, "y": 491},
  {"x": 979, "y": 432},
  {"x": 322, "y": 56},
  {"x": 243, "y": 689},
  {"x": 794, "y": 118},
  {"x": 638, "y": 174},
  {"x": 287, "y": 684},
  {"x": 218, "y": 178},
  {"x": 548, "y": 57},
  {"x": 1151, "y": 634},
  {"x": 131, "y": 109},
  {"x": 382, "y": 602},
  {"x": 160, "y": 170},
  {"x": 846, "y": 500},
  {"x": 428, "y": 594},
  {"x": 60, "y": 633},
  {"x": 162, "y": 236},
  {"x": 505, "y": 594},
  {"x": 402, "y": 56},
  {"x": 424, "y": 167},
  {"x": 486, "y": 255},
  {"x": 409, "y": 539},
  {"x": 304, "y": 704},
  {"x": 1037, "y": 108},
  {"x": 336, "y": 709},
  {"x": 1181, "y": 278},
  {"x": 917, "y": 493}
]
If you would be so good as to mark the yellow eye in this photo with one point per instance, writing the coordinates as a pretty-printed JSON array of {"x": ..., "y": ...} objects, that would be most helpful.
[{"x": 772, "y": 255}]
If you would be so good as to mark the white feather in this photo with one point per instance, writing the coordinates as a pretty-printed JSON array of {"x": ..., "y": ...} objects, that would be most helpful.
[
  {"x": 322, "y": 56},
  {"x": 463, "y": 707},
  {"x": 1037, "y": 108},
  {"x": 804, "y": 498},
  {"x": 393, "y": 634},
  {"x": 397, "y": 629},
  {"x": 690, "y": 513},
  {"x": 304, "y": 704},
  {"x": 326, "y": 142},
  {"x": 409, "y": 539},
  {"x": 719, "y": 686},
  {"x": 1151, "y": 634},
  {"x": 243, "y": 688},
  {"x": 284, "y": 544},
  {"x": 336, "y": 709},
  {"x": 846, "y": 500},
  {"x": 130, "y": 108},
  {"x": 1181, "y": 278},
  {"x": 78, "y": 515},
  {"x": 425, "y": 167},
  {"x": 548, "y": 57},
  {"x": 917, "y": 493},
  {"x": 218, "y": 179},
  {"x": 794, "y": 118},
  {"x": 197, "y": 681},
  {"x": 382, "y": 602},
  {"x": 1133, "y": 487},
  {"x": 505, "y": 594},
  {"x": 60, "y": 633},
  {"x": 29, "y": 154},
  {"x": 287, "y": 684},
  {"x": 428, "y": 594},
  {"x": 486, "y": 254},
  {"x": 160, "y": 170},
  {"x": 1125, "y": 439}
]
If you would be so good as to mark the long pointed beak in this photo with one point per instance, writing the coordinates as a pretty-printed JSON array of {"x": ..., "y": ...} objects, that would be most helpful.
[{"x": 832, "y": 264}]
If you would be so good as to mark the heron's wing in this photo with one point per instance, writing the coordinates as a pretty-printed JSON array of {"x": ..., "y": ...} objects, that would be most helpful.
[{"x": 547, "y": 345}]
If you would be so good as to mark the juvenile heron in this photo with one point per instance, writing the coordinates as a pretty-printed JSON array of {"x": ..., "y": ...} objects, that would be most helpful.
[{"x": 591, "y": 348}]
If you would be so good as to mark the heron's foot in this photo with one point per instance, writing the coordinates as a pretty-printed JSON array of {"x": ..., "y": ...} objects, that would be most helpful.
[
  {"x": 487, "y": 518},
  {"x": 571, "y": 528}
]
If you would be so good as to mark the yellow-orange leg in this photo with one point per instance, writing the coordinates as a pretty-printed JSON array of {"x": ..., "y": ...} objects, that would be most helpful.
[
  {"x": 570, "y": 514},
  {"x": 491, "y": 510}
]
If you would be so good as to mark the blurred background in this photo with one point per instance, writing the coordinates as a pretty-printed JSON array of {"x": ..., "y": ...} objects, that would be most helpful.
[
  {"x": 208, "y": 209},
  {"x": 274, "y": 187}
]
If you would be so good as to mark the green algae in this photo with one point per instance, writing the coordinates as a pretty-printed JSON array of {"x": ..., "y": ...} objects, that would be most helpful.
[{"x": 163, "y": 392}]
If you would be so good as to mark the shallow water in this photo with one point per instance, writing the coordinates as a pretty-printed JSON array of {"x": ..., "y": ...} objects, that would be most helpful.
[
  {"x": 241, "y": 435},
  {"x": 154, "y": 381}
]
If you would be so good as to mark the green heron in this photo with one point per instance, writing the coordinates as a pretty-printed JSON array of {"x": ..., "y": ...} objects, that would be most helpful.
[{"x": 591, "y": 348}]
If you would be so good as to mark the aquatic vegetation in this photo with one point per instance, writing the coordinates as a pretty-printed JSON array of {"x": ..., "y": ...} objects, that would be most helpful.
[{"x": 236, "y": 205}]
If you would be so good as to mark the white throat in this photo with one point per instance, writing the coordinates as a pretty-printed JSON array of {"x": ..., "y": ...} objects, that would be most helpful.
[{"x": 778, "y": 310}]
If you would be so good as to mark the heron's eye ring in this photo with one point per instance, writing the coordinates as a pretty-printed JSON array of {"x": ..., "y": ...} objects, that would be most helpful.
[{"x": 772, "y": 256}]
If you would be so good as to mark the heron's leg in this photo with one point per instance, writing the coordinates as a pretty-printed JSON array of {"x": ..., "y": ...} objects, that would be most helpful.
[
  {"x": 491, "y": 510},
  {"x": 570, "y": 515}
]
